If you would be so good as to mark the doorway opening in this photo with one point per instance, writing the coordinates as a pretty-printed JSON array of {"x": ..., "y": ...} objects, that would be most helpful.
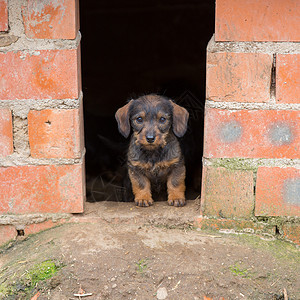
[{"x": 135, "y": 48}]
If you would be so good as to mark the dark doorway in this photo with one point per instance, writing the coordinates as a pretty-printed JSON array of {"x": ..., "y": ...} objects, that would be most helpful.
[{"x": 138, "y": 47}]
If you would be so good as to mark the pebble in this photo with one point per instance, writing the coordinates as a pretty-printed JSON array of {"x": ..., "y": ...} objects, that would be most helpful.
[
  {"x": 114, "y": 286},
  {"x": 162, "y": 293}
]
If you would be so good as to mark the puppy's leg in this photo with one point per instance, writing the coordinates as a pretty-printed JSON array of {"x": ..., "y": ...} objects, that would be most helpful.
[
  {"x": 176, "y": 186},
  {"x": 141, "y": 188}
]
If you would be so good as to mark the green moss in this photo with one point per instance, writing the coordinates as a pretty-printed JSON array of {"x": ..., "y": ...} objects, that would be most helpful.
[
  {"x": 238, "y": 270},
  {"x": 22, "y": 285},
  {"x": 4, "y": 290},
  {"x": 279, "y": 249},
  {"x": 236, "y": 163},
  {"x": 41, "y": 272}
]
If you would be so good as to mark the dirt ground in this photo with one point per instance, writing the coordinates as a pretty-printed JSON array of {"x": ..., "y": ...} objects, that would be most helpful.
[{"x": 118, "y": 251}]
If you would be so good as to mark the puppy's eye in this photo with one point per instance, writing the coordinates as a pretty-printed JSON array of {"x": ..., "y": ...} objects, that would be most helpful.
[
  {"x": 162, "y": 120},
  {"x": 139, "y": 120}
]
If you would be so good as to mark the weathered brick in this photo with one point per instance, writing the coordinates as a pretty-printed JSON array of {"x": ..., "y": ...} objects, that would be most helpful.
[
  {"x": 291, "y": 231},
  {"x": 3, "y": 15},
  {"x": 43, "y": 74},
  {"x": 6, "y": 133},
  {"x": 227, "y": 193},
  {"x": 37, "y": 227},
  {"x": 51, "y": 19},
  {"x": 288, "y": 78},
  {"x": 277, "y": 192},
  {"x": 7, "y": 233},
  {"x": 246, "y": 226},
  {"x": 238, "y": 77},
  {"x": 256, "y": 20},
  {"x": 44, "y": 189},
  {"x": 55, "y": 133},
  {"x": 251, "y": 133}
]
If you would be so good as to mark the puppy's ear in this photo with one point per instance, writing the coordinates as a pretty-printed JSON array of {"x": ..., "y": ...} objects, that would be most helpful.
[
  {"x": 180, "y": 119},
  {"x": 122, "y": 117}
]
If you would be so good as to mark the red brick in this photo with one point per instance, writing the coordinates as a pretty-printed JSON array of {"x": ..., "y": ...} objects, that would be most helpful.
[
  {"x": 7, "y": 233},
  {"x": 3, "y": 15},
  {"x": 55, "y": 133},
  {"x": 277, "y": 192},
  {"x": 37, "y": 227},
  {"x": 256, "y": 20},
  {"x": 291, "y": 231},
  {"x": 238, "y": 77},
  {"x": 51, "y": 19},
  {"x": 6, "y": 133},
  {"x": 227, "y": 193},
  {"x": 251, "y": 133},
  {"x": 43, "y": 74},
  {"x": 288, "y": 78},
  {"x": 43, "y": 189}
]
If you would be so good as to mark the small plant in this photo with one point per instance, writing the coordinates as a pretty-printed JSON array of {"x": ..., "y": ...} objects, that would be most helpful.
[
  {"x": 238, "y": 270},
  {"x": 142, "y": 265}
]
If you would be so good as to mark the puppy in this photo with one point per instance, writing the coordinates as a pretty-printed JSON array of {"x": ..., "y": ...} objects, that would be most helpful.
[{"x": 154, "y": 160}]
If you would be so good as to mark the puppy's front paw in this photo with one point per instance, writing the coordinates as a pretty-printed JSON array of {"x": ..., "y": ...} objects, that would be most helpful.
[
  {"x": 176, "y": 202},
  {"x": 143, "y": 202}
]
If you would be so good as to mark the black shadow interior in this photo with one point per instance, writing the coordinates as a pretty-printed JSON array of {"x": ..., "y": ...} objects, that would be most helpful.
[{"x": 130, "y": 48}]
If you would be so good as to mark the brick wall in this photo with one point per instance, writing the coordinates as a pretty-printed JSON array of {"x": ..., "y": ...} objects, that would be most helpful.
[
  {"x": 251, "y": 173},
  {"x": 252, "y": 133},
  {"x": 41, "y": 121}
]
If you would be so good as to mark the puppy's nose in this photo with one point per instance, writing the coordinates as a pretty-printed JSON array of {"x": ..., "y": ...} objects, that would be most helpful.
[{"x": 150, "y": 139}]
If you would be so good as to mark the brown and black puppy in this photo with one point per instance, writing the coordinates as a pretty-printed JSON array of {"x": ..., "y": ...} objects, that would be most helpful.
[{"x": 155, "y": 161}]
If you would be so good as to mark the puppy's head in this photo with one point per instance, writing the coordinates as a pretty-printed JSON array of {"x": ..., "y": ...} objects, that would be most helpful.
[{"x": 151, "y": 118}]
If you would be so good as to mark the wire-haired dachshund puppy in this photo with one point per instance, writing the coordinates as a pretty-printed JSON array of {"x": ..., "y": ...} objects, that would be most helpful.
[{"x": 155, "y": 162}]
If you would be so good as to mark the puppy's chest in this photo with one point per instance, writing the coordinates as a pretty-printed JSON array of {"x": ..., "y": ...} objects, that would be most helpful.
[
  {"x": 155, "y": 167},
  {"x": 155, "y": 164},
  {"x": 158, "y": 168}
]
